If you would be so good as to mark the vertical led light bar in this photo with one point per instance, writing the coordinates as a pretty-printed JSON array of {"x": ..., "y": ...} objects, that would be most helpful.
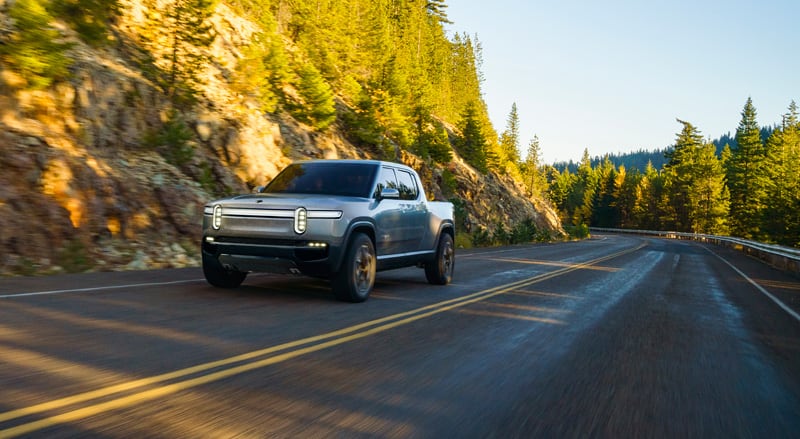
[
  {"x": 300, "y": 220},
  {"x": 216, "y": 220}
]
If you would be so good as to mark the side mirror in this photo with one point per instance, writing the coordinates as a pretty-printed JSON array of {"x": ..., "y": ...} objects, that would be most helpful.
[
  {"x": 260, "y": 189},
  {"x": 389, "y": 193}
]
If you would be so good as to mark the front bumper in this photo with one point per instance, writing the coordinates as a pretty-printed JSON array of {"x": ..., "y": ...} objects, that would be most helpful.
[{"x": 285, "y": 256}]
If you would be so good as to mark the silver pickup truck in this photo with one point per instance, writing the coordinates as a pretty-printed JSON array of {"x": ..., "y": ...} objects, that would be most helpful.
[{"x": 337, "y": 219}]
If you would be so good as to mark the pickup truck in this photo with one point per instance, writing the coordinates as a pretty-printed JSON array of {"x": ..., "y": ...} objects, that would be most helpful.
[{"x": 343, "y": 220}]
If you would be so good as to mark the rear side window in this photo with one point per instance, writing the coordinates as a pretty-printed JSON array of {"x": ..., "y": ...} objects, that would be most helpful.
[{"x": 407, "y": 185}]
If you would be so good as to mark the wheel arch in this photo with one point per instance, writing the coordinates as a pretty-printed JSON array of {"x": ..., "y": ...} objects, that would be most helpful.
[
  {"x": 445, "y": 227},
  {"x": 358, "y": 226}
]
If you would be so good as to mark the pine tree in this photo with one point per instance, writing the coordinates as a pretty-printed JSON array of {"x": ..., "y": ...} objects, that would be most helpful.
[
  {"x": 494, "y": 158},
  {"x": 781, "y": 216},
  {"x": 440, "y": 149},
  {"x": 430, "y": 137},
  {"x": 560, "y": 186},
  {"x": 582, "y": 197},
  {"x": 725, "y": 156},
  {"x": 33, "y": 48},
  {"x": 679, "y": 175},
  {"x": 746, "y": 177},
  {"x": 472, "y": 144},
  {"x": 695, "y": 198},
  {"x": 253, "y": 78},
  {"x": 603, "y": 205},
  {"x": 317, "y": 106},
  {"x": 183, "y": 27},
  {"x": 649, "y": 192},
  {"x": 509, "y": 140},
  {"x": 625, "y": 197},
  {"x": 533, "y": 176},
  {"x": 708, "y": 196},
  {"x": 436, "y": 8},
  {"x": 422, "y": 139},
  {"x": 363, "y": 128}
]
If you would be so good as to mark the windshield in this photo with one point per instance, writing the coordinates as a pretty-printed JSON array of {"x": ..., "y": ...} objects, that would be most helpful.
[{"x": 343, "y": 179}]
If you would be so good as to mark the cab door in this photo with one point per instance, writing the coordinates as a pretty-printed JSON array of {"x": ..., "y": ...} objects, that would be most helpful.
[
  {"x": 413, "y": 212},
  {"x": 387, "y": 216}
]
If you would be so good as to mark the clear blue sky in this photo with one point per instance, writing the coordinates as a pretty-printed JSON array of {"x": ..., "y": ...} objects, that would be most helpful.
[{"x": 612, "y": 76}]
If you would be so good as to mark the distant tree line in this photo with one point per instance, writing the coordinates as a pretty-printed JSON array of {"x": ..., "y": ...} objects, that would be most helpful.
[
  {"x": 750, "y": 189},
  {"x": 638, "y": 160},
  {"x": 656, "y": 158}
]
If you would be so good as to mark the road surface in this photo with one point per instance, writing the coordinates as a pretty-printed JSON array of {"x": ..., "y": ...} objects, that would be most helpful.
[{"x": 616, "y": 336}]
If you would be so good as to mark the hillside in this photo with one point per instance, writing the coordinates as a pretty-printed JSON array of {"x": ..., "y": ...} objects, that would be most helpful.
[{"x": 105, "y": 169}]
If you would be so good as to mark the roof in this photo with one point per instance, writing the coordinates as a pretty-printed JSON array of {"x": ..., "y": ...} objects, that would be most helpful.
[{"x": 353, "y": 161}]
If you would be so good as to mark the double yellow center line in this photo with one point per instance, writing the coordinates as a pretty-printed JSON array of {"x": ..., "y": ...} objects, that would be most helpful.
[{"x": 159, "y": 386}]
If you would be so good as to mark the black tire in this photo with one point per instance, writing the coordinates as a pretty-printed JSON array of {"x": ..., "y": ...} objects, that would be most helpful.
[
  {"x": 218, "y": 276},
  {"x": 440, "y": 270},
  {"x": 355, "y": 279}
]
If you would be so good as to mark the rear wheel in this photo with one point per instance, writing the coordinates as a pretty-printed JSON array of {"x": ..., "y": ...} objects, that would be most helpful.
[
  {"x": 219, "y": 276},
  {"x": 440, "y": 271},
  {"x": 355, "y": 280}
]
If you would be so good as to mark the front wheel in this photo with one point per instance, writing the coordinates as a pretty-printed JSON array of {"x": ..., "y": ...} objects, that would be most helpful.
[
  {"x": 355, "y": 280},
  {"x": 440, "y": 270},
  {"x": 218, "y": 276}
]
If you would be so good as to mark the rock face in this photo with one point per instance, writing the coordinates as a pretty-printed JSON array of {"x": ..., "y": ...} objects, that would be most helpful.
[{"x": 82, "y": 187}]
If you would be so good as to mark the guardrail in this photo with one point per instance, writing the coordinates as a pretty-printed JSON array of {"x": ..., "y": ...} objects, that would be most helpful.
[{"x": 784, "y": 258}]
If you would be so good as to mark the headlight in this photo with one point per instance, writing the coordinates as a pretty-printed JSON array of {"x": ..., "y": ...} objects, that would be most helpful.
[
  {"x": 216, "y": 220},
  {"x": 300, "y": 220}
]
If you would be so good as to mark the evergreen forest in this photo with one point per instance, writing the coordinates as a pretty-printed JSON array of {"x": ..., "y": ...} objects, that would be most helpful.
[{"x": 750, "y": 188}]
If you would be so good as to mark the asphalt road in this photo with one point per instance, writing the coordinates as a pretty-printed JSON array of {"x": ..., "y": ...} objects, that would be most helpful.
[{"x": 617, "y": 336}]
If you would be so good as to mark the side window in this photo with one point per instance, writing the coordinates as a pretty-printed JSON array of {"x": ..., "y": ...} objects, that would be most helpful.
[
  {"x": 386, "y": 179},
  {"x": 407, "y": 186}
]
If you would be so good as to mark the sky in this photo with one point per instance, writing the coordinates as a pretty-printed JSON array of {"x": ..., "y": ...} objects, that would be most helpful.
[{"x": 613, "y": 76}]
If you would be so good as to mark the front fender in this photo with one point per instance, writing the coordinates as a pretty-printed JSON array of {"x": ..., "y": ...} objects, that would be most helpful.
[{"x": 364, "y": 225}]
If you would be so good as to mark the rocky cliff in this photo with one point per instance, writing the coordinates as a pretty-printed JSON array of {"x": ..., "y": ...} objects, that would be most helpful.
[{"x": 83, "y": 185}]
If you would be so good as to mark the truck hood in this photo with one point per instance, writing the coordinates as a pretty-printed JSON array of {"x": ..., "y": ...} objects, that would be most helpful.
[{"x": 286, "y": 201}]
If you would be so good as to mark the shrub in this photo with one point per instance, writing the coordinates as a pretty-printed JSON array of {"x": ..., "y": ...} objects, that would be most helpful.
[
  {"x": 524, "y": 232},
  {"x": 501, "y": 236},
  {"x": 580, "y": 231},
  {"x": 463, "y": 240},
  {"x": 207, "y": 179},
  {"x": 172, "y": 140},
  {"x": 73, "y": 257},
  {"x": 481, "y": 238}
]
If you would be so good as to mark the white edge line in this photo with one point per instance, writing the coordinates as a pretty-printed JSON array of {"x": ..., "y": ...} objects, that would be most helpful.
[
  {"x": 777, "y": 301},
  {"x": 84, "y": 290}
]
